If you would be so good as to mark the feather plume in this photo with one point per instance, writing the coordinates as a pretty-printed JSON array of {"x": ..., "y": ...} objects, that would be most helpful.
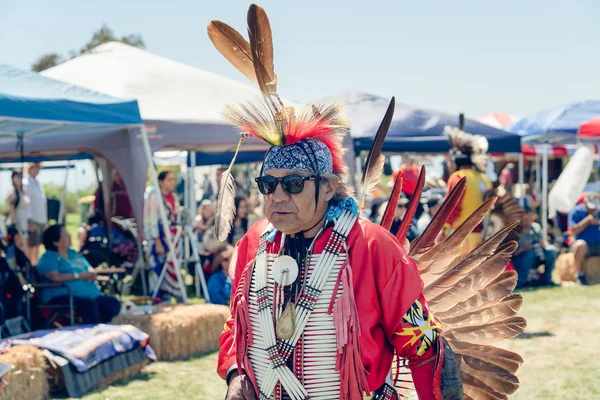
[
  {"x": 261, "y": 43},
  {"x": 412, "y": 207},
  {"x": 390, "y": 210},
  {"x": 226, "y": 201},
  {"x": 375, "y": 160},
  {"x": 506, "y": 210},
  {"x": 427, "y": 239},
  {"x": 232, "y": 45},
  {"x": 225, "y": 207}
]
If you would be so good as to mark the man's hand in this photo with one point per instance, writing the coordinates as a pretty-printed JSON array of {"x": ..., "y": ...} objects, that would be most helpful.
[
  {"x": 88, "y": 276},
  {"x": 158, "y": 247},
  {"x": 526, "y": 246},
  {"x": 240, "y": 388}
]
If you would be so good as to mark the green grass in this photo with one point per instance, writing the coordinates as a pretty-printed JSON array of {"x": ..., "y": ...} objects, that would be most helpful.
[{"x": 561, "y": 348}]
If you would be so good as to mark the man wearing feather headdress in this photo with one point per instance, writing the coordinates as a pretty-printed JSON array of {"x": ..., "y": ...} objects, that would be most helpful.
[
  {"x": 468, "y": 156},
  {"x": 324, "y": 301}
]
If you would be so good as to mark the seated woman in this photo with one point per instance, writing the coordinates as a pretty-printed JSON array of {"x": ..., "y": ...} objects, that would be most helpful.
[
  {"x": 62, "y": 264},
  {"x": 219, "y": 283}
]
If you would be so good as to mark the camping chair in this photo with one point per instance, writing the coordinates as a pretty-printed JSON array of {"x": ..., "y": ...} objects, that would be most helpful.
[{"x": 55, "y": 314}]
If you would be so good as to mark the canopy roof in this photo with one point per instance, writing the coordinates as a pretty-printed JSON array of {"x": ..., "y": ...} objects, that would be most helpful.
[{"x": 414, "y": 130}]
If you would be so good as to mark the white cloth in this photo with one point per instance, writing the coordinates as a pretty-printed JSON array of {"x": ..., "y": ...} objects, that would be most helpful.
[
  {"x": 423, "y": 221},
  {"x": 38, "y": 207}
]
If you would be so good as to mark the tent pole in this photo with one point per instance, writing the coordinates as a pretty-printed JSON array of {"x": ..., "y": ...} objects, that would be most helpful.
[
  {"x": 522, "y": 178},
  {"x": 544, "y": 215},
  {"x": 63, "y": 196},
  {"x": 163, "y": 218}
]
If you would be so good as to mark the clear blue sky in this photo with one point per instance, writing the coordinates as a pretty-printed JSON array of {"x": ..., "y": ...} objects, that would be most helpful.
[{"x": 472, "y": 56}]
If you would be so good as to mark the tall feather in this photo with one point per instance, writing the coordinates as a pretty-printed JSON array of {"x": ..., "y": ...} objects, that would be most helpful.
[
  {"x": 412, "y": 207},
  {"x": 375, "y": 160},
  {"x": 390, "y": 210},
  {"x": 226, "y": 201},
  {"x": 232, "y": 45},
  {"x": 261, "y": 44}
]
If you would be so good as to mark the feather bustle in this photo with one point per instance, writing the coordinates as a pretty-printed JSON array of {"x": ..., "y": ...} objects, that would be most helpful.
[
  {"x": 390, "y": 210},
  {"x": 468, "y": 277},
  {"x": 412, "y": 207},
  {"x": 427, "y": 239}
]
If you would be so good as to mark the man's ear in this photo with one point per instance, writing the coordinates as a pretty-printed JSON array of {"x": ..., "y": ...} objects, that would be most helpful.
[{"x": 330, "y": 187}]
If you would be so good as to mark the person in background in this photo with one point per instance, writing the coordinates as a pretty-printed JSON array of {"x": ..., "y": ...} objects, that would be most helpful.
[
  {"x": 154, "y": 232},
  {"x": 240, "y": 224},
  {"x": 506, "y": 177},
  {"x": 533, "y": 251},
  {"x": 208, "y": 191},
  {"x": 120, "y": 204},
  {"x": 219, "y": 283},
  {"x": 432, "y": 205},
  {"x": 400, "y": 213},
  {"x": 410, "y": 175},
  {"x": 467, "y": 160},
  {"x": 38, "y": 211},
  {"x": 13, "y": 268},
  {"x": 205, "y": 219},
  {"x": 62, "y": 264},
  {"x": 584, "y": 223},
  {"x": 18, "y": 204}
]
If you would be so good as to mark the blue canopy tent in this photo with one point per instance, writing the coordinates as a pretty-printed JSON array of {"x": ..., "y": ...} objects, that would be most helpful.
[
  {"x": 414, "y": 130},
  {"x": 43, "y": 119},
  {"x": 558, "y": 125},
  {"x": 40, "y": 116}
]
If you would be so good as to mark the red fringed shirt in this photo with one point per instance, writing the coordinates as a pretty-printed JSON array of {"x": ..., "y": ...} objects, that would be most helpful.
[{"x": 388, "y": 291}]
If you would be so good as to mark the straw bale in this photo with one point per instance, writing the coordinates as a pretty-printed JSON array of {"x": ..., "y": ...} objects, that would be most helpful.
[
  {"x": 564, "y": 269},
  {"x": 591, "y": 269},
  {"x": 29, "y": 378},
  {"x": 180, "y": 331}
]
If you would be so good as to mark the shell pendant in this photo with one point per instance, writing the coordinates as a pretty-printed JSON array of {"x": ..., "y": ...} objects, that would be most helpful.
[{"x": 286, "y": 324}]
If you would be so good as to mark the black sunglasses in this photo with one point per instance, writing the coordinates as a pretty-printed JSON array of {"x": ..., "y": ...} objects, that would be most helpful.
[{"x": 292, "y": 184}]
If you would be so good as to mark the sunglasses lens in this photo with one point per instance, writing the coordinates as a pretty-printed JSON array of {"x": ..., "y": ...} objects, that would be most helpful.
[
  {"x": 266, "y": 184},
  {"x": 293, "y": 184}
]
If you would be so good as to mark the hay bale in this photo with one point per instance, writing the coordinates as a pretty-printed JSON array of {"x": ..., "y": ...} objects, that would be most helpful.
[
  {"x": 564, "y": 269},
  {"x": 180, "y": 331},
  {"x": 28, "y": 380},
  {"x": 591, "y": 269}
]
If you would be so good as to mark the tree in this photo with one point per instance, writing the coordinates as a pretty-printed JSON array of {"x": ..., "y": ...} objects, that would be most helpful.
[
  {"x": 46, "y": 61},
  {"x": 101, "y": 36},
  {"x": 105, "y": 35}
]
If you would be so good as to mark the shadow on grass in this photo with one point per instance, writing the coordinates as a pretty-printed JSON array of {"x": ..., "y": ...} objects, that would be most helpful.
[
  {"x": 142, "y": 376},
  {"x": 532, "y": 335}
]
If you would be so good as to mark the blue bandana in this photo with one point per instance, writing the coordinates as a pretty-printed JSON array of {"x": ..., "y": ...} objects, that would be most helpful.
[{"x": 309, "y": 155}]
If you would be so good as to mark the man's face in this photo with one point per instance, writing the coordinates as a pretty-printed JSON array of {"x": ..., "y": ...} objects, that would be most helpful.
[
  {"x": 293, "y": 213},
  {"x": 34, "y": 169},
  {"x": 434, "y": 209},
  {"x": 528, "y": 220}
]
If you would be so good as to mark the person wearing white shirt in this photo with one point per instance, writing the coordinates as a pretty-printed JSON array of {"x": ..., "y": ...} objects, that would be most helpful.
[
  {"x": 433, "y": 202},
  {"x": 38, "y": 211}
]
